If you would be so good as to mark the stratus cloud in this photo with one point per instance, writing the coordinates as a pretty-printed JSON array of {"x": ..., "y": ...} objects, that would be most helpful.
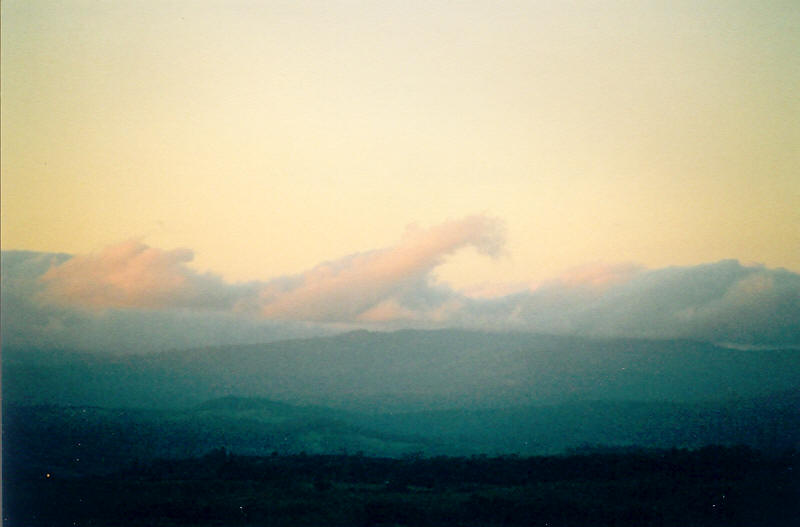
[
  {"x": 382, "y": 283},
  {"x": 133, "y": 275}
]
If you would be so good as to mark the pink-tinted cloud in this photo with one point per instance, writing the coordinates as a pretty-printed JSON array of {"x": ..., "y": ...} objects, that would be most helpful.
[
  {"x": 366, "y": 286},
  {"x": 387, "y": 311},
  {"x": 133, "y": 275},
  {"x": 722, "y": 301},
  {"x": 393, "y": 288},
  {"x": 352, "y": 287}
]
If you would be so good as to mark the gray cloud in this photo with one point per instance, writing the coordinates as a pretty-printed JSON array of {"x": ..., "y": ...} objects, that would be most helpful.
[
  {"x": 29, "y": 322},
  {"x": 133, "y": 275},
  {"x": 378, "y": 285},
  {"x": 722, "y": 302},
  {"x": 368, "y": 286},
  {"x": 133, "y": 295}
]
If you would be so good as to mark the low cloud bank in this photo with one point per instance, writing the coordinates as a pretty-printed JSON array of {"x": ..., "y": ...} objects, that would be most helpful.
[
  {"x": 132, "y": 289},
  {"x": 368, "y": 286},
  {"x": 379, "y": 285},
  {"x": 719, "y": 302},
  {"x": 30, "y": 322},
  {"x": 133, "y": 275}
]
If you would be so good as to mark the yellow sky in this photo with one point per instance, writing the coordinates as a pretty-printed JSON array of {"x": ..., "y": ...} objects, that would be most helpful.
[{"x": 270, "y": 136}]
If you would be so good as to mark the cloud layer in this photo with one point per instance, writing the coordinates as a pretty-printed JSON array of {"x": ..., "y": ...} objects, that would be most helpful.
[
  {"x": 370, "y": 285},
  {"x": 133, "y": 275},
  {"x": 721, "y": 302},
  {"x": 135, "y": 288},
  {"x": 378, "y": 285}
]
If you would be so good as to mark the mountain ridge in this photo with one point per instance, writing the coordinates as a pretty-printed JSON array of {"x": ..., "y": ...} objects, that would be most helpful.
[{"x": 404, "y": 371}]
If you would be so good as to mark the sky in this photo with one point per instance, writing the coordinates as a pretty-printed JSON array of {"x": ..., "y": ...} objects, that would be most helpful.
[{"x": 256, "y": 157}]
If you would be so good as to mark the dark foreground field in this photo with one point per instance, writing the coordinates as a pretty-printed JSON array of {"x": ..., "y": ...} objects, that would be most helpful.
[{"x": 713, "y": 486}]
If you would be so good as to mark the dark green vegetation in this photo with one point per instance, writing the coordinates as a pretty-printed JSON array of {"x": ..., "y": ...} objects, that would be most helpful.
[
  {"x": 712, "y": 486},
  {"x": 405, "y": 371},
  {"x": 124, "y": 437},
  {"x": 78, "y": 440}
]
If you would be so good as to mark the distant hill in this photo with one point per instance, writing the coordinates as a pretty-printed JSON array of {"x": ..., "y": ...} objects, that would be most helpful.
[
  {"x": 79, "y": 440},
  {"x": 405, "y": 371},
  {"x": 72, "y": 441},
  {"x": 767, "y": 423},
  {"x": 446, "y": 392}
]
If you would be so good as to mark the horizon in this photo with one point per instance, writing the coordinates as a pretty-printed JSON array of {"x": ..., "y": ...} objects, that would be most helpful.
[{"x": 135, "y": 297}]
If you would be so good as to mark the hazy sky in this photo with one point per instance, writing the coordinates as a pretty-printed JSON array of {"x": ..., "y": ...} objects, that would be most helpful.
[{"x": 268, "y": 137}]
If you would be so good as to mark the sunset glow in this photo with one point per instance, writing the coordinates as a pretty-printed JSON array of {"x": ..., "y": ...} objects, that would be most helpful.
[{"x": 269, "y": 137}]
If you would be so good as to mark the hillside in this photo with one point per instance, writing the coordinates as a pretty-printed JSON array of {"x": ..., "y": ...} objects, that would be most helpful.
[
  {"x": 405, "y": 371},
  {"x": 72, "y": 441}
]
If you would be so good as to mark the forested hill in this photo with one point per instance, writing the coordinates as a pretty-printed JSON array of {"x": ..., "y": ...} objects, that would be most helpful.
[
  {"x": 93, "y": 440},
  {"x": 405, "y": 371}
]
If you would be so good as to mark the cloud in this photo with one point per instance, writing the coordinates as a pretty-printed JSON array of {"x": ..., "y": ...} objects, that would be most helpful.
[
  {"x": 133, "y": 275},
  {"x": 365, "y": 286},
  {"x": 132, "y": 288},
  {"x": 131, "y": 297},
  {"x": 722, "y": 301},
  {"x": 29, "y": 322},
  {"x": 387, "y": 311},
  {"x": 372, "y": 285},
  {"x": 599, "y": 276}
]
